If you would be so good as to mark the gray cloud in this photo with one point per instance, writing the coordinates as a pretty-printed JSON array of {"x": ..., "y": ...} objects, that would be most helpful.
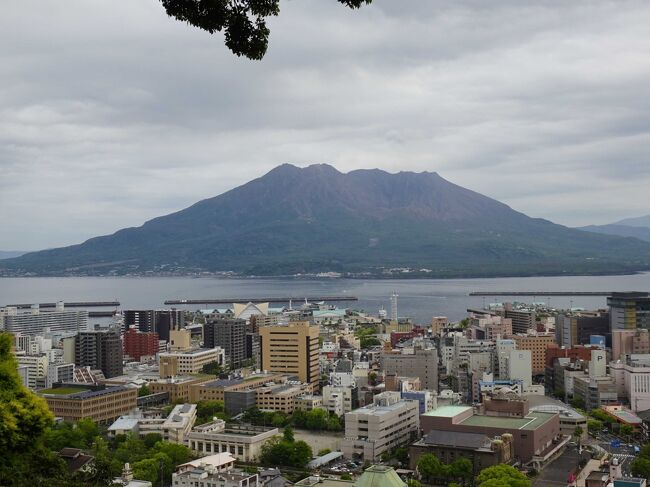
[{"x": 112, "y": 113}]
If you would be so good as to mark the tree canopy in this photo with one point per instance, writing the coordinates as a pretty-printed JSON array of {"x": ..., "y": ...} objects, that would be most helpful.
[
  {"x": 242, "y": 21},
  {"x": 502, "y": 476},
  {"x": 24, "y": 419}
]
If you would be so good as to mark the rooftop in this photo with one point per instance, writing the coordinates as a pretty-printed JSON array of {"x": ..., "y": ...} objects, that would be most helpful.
[
  {"x": 456, "y": 439},
  {"x": 447, "y": 411},
  {"x": 531, "y": 422}
]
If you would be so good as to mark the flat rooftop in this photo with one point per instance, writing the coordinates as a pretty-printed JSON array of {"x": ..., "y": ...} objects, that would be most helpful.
[
  {"x": 447, "y": 411},
  {"x": 531, "y": 422}
]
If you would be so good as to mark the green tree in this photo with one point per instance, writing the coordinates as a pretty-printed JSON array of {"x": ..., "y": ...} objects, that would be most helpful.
[
  {"x": 24, "y": 418},
  {"x": 430, "y": 467},
  {"x": 346, "y": 476},
  {"x": 368, "y": 342},
  {"x": 502, "y": 476},
  {"x": 461, "y": 468},
  {"x": 144, "y": 390},
  {"x": 640, "y": 467},
  {"x": 594, "y": 425},
  {"x": 177, "y": 453},
  {"x": 317, "y": 419},
  {"x": 208, "y": 409},
  {"x": 324, "y": 451},
  {"x": 150, "y": 469},
  {"x": 288, "y": 434},
  {"x": 577, "y": 402},
  {"x": 242, "y": 21},
  {"x": 212, "y": 368},
  {"x": 150, "y": 439},
  {"x": 601, "y": 415},
  {"x": 413, "y": 483},
  {"x": 301, "y": 454},
  {"x": 626, "y": 430}
]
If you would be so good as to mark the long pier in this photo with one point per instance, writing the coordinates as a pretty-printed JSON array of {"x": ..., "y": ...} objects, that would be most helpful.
[
  {"x": 541, "y": 293},
  {"x": 79, "y": 304},
  {"x": 262, "y": 300}
]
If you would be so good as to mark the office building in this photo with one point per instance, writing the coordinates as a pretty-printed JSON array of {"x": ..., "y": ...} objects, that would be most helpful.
[
  {"x": 632, "y": 379},
  {"x": 36, "y": 367},
  {"x": 217, "y": 390},
  {"x": 387, "y": 423},
  {"x": 36, "y": 321},
  {"x": 628, "y": 311},
  {"x": 72, "y": 402},
  {"x": 416, "y": 362},
  {"x": 520, "y": 366},
  {"x": 523, "y": 320},
  {"x": 633, "y": 341},
  {"x": 100, "y": 350},
  {"x": 173, "y": 428},
  {"x": 138, "y": 344},
  {"x": 186, "y": 362},
  {"x": 576, "y": 328},
  {"x": 291, "y": 349},
  {"x": 537, "y": 345},
  {"x": 59, "y": 373},
  {"x": 280, "y": 397},
  {"x": 160, "y": 321},
  {"x": 242, "y": 441},
  {"x": 230, "y": 335},
  {"x": 340, "y": 400}
]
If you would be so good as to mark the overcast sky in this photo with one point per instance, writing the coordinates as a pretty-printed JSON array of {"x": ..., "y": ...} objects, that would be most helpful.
[{"x": 113, "y": 113}]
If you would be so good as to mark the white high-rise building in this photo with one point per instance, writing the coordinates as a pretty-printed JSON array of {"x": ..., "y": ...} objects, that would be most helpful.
[
  {"x": 520, "y": 366},
  {"x": 37, "y": 322}
]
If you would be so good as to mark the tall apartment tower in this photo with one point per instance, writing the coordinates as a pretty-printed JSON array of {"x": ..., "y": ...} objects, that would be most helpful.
[
  {"x": 160, "y": 321},
  {"x": 629, "y": 310},
  {"x": 230, "y": 335},
  {"x": 522, "y": 320},
  {"x": 99, "y": 350},
  {"x": 291, "y": 349}
]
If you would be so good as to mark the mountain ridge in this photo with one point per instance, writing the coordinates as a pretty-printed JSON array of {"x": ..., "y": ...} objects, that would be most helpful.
[{"x": 318, "y": 219}]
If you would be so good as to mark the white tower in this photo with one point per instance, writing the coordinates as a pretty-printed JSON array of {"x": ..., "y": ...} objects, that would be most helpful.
[{"x": 393, "y": 306}]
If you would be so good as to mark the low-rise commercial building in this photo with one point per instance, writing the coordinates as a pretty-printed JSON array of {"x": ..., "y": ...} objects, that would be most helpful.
[
  {"x": 178, "y": 388},
  {"x": 280, "y": 397},
  {"x": 215, "y": 390},
  {"x": 536, "y": 435},
  {"x": 478, "y": 448},
  {"x": 99, "y": 404},
  {"x": 184, "y": 362},
  {"x": 242, "y": 441},
  {"x": 374, "y": 429},
  {"x": 172, "y": 428}
]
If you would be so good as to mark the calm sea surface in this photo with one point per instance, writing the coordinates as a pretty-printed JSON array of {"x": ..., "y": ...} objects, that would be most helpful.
[{"x": 419, "y": 299}]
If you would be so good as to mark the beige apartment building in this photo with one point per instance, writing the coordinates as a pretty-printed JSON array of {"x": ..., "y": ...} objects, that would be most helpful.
[
  {"x": 281, "y": 397},
  {"x": 178, "y": 387},
  {"x": 374, "y": 429},
  {"x": 537, "y": 344},
  {"x": 103, "y": 405},
  {"x": 215, "y": 390},
  {"x": 184, "y": 362},
  {"x": 291, "y": 349}
]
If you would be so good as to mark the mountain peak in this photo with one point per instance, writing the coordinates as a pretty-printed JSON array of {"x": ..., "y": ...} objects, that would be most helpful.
[{"x": 316, "y": 218}]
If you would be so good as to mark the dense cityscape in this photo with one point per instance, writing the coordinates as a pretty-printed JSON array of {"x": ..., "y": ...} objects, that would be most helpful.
[
  {"x": 324, "y": 243},
  {"x": 256, "y": 393}
]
